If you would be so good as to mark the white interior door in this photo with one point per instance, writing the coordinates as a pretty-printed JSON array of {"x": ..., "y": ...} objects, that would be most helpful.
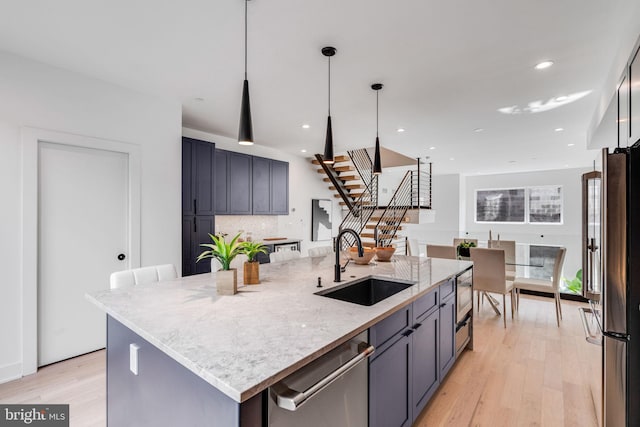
[{"x": 82, "y": 228}]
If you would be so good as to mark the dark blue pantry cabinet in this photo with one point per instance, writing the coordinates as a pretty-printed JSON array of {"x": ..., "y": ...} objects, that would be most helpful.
[
  {"x": 415, "y": 348},
  {"x": 198, "y": 202}
]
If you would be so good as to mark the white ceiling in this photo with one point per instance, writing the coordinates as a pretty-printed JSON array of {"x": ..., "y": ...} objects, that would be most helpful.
[{"x": 447, "y": 67}]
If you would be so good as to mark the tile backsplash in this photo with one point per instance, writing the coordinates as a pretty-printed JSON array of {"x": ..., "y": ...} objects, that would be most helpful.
[{"x": 260, "y": 226}]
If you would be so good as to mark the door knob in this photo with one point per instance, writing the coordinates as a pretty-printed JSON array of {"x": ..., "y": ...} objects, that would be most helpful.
[{"x": 121, "y": 257}]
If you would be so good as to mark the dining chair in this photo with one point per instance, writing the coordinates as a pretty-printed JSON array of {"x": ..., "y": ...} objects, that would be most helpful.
[
  {"x": 441, "y": 251},
  {"x": 489, "y": 276},
  {"x": 509, "y": 247},
  {"x": 142, "y": 276},
  {"x": 546, "y": 286},
  {"x": 283, "y": 256},
  {"x": 320, "y": 251}
]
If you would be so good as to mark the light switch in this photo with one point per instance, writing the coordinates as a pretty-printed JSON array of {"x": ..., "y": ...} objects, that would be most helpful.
[{"x": 133, "y": 358}]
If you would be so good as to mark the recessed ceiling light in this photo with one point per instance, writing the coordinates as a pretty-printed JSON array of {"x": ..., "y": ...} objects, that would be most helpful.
[
  {"x": 559, "y": 129},
  {"x": 400, "y": 130},
  {"x": 544, "y": 64},
  {"x": 305, "y": 126},
  {"x": 451, "y": 158},
  {"x": 303, "y": 151},
  {"x": 561, "y": 98},
  {"x": 570, "y": 145},
  {"x": 566, "y": 166},
  {"x": 432, "y": 148},
  {"x": 478, "y": 130}
]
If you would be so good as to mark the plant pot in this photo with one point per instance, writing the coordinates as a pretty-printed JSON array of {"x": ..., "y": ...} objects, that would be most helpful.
[
  {"x": 464, "y": 252},
  {"x": 227, "y": 282},
  {"x": 384, "y": 253},
  {"x": 251, "y": 273}
]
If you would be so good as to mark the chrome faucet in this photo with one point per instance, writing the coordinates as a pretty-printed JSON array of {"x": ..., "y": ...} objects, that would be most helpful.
[{"x": 337, "y": 267}]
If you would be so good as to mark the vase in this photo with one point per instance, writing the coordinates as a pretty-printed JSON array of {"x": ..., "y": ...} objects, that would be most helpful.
[
  {"x": 384, "y": 253},
  {"x": 227, "y": 282},
  {"x": 251, "y": 273}
]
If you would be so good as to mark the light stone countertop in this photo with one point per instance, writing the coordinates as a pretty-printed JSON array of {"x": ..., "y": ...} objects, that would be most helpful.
[{"x": 244, "y": 343}]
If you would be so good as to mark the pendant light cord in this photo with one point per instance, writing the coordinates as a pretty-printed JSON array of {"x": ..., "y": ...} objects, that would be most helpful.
[
  {"x": 377, "y": 92},
  {"x": 329, "y": 85},
  {"x": 245, "y": 39}
]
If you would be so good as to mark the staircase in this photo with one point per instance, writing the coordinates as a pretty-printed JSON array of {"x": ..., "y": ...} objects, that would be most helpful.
[{"x": 353, "y": 181}]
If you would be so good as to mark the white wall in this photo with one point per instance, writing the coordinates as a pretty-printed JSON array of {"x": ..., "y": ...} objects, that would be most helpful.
[
  {"x": 304, "y": 184},
  {"x": 445, "y": 201},
  {"x": 36, "y": 95},
  {"x": 568, "y": 234}
]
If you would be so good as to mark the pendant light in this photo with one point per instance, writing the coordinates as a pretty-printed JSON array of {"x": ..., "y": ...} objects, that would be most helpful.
[
  {"x": 245, "y": 131},
  {"x": 377, "y": 164},
  {"x": 328, "y": 143}
]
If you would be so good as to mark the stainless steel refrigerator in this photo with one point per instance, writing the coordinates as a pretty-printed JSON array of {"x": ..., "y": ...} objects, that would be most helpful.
[{"x": 620, "y": 297}]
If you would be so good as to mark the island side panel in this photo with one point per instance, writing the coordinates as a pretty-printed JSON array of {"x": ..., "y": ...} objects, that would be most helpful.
[{"x": 165, "y": 393}]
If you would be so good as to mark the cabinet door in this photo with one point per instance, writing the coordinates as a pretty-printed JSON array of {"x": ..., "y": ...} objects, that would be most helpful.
[
  {"x": 634, "y": 82},
  {"x": 203, "y": 160},
  {"x": 188, "y": 181},
  {"x": 220, "y": 182},
  {"x": 426, "y": 371},
  {"x": 279, "y": 187},
  {"x": 623, "y": 112},
  {"x": 447, "y": 342},
  {"x": 390, "y": 386},
  {"x": 203, "y": 226},
  {"x": 239, "y": 184},
  {"x": 261, "y": 179}
]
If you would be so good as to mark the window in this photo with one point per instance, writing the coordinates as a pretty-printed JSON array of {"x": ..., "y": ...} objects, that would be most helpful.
[{"x": 532, "y": 205}]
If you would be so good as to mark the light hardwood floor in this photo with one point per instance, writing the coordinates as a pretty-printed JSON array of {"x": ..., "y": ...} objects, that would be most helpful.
[{"x": 530, "y": 374}]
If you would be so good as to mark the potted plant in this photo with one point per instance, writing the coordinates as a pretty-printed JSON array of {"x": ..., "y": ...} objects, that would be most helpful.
[
  {"x": 574, "y": 285},
  {"x": 251, "y": 267},
  {"x": 463, "y": 249},
  {"x": 226, "y": 278}
]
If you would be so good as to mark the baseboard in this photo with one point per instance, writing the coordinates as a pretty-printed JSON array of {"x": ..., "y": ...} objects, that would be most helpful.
[{"x": 10, "y": 372}]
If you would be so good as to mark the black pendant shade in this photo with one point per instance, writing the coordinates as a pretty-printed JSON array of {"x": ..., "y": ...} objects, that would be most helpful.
[
  {"x": 377, "y": 163},
  {"x": 245, "y": 132},
  {"x": 328, "y": 142}
]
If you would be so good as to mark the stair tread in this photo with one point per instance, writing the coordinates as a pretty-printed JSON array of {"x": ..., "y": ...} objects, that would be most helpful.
[
  {"x": 343, "y": 168},
  {"x": 389, "y": 218},
  {"x": 336, "y": 159},
  {"x": 381, "y": 227},
  {"x": 349, "y": 187}
]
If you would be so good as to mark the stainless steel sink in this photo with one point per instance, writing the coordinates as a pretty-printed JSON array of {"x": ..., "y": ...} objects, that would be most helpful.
[{"x": 366, "y": 291}]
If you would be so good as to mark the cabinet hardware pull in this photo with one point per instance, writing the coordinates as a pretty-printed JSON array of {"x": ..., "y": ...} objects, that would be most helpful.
[
  {"x": 407, "y": 332},
  {"x": 195, "y": 225},
  {"x": 416, "y": 326},
  {"x": 442, "y": 305},
  {"x": 195, "y": 206}
]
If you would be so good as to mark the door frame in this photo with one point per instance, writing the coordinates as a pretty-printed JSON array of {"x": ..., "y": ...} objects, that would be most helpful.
[{"x": 30, "y": 138}]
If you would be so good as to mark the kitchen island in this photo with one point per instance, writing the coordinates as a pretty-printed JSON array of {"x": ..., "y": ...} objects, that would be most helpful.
[{"x": 232, "y": 348}]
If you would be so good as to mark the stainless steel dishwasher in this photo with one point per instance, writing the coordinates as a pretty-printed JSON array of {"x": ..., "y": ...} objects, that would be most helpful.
[{"x": 329, "y": 392}]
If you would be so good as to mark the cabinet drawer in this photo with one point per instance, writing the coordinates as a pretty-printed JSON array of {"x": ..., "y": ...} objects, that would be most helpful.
[
  {"x": 447, "y": 289},
  {"x": 383, "y": 331},
  {"x": 425, "y": 303}
]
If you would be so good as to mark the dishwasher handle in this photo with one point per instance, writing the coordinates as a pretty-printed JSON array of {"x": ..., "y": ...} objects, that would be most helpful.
[
  {"x": 589, "y": 336},
  {"x": 291, "y": 400}
]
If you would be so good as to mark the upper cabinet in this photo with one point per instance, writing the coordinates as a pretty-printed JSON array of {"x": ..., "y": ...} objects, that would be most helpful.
[
  {"x": 250, "y": 185},
  {"x": 634, "y": 83},
  {"x": 197, "y": 177}
]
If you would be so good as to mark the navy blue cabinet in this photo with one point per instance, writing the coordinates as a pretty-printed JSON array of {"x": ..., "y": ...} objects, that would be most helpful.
[
  {"x": 198, "y": 175},
  {"x": 239, "y": 184},
  {"x": 261, "y": 186},
  {"x": 279, "y": 187},
  {"x": 250, "y": 185},
  {"x": 447, "y": 344},
  {"x": 415, "y": 348}
]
